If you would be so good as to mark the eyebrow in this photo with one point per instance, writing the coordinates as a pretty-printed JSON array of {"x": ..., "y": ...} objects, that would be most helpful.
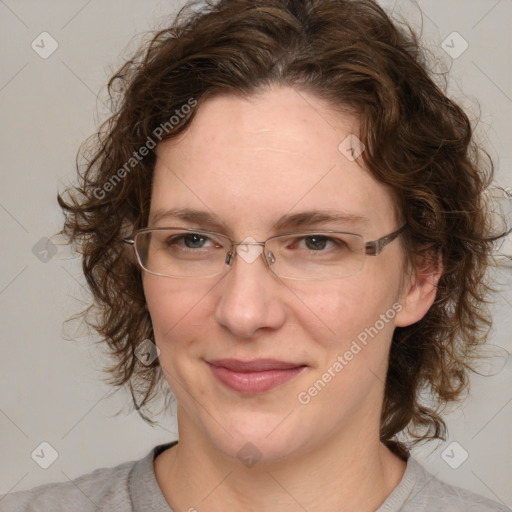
[{"x": 300, "y": 220}]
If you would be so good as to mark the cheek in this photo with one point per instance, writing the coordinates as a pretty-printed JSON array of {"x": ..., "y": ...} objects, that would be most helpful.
[
  {"x": 181, "y": 323},
  {"x": 177, "y": 311},
  {"x": 345, "y": 308},
  {"x": 352, "y": 329}
]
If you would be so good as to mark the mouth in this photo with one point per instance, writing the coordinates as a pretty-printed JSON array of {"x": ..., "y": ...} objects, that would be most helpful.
[{"x": 255, "y": 376}]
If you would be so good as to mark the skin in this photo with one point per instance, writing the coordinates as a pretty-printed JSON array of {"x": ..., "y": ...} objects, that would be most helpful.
[{"x": 248, "y": 162}]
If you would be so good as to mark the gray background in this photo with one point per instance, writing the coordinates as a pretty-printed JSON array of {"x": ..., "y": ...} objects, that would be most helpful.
[{"x": 51, "y": 388}]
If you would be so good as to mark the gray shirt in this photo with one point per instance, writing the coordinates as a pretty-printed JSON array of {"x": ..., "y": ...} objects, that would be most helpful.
[{"x": 132, "y": 487}]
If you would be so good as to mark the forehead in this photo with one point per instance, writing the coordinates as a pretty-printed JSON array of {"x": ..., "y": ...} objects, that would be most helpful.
[{"x": 250, "y": 161}]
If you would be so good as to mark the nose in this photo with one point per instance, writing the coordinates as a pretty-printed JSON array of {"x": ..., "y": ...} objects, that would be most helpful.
[{"x": 250, "y": 294}]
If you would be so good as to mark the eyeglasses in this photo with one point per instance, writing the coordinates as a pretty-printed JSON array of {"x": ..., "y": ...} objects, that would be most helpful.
[{"x": 304, "y": 255}]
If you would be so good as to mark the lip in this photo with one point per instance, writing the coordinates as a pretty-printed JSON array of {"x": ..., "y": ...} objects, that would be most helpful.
[{"x": 255, "y": 376}]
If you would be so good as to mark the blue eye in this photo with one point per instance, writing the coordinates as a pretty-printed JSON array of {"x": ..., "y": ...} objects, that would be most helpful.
[{"x": 191, "y": 240}]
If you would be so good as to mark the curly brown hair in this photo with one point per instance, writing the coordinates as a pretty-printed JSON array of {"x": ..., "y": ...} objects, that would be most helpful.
[{"x": 418, "y": 141}]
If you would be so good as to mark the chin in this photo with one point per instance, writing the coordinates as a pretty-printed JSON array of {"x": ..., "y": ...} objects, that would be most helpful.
[{"x": 258, "y": 439}]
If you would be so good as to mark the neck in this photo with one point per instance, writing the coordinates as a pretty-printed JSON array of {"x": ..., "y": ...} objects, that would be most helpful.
[{"x": 349, "y": 471}]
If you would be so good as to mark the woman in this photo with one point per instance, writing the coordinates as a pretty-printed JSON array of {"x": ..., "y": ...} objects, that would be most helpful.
[{"x": 285, "y": 223}]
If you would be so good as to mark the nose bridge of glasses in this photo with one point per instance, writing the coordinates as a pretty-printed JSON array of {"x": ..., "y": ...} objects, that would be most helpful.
[{"x": 248, "y": 255}]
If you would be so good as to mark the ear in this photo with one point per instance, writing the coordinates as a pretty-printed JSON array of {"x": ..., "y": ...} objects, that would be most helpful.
[{"x": 420, "y": 289}]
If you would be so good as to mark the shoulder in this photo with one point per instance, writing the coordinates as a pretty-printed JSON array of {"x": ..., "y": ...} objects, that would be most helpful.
[
  {"x": 426, "y": 492},
  {"x": 101, "y": 489}
]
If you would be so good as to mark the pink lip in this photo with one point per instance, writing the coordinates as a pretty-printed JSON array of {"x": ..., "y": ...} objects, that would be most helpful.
[{"x": 254, "y": 376}]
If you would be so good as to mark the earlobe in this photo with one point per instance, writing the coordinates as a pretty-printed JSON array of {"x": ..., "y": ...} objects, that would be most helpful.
[{"x": 420, "y": 290}]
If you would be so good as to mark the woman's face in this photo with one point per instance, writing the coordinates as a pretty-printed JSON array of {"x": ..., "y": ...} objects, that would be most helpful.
[{"x": 248, "y": 164}]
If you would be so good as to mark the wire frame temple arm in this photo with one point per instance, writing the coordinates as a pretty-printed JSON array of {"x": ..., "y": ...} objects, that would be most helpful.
[{"x": 375, "y": 247}]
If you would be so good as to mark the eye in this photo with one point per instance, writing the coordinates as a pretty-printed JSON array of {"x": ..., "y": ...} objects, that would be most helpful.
[
  {"x": 318, "y": 243},
  {"x": 191, "y": 240}
]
